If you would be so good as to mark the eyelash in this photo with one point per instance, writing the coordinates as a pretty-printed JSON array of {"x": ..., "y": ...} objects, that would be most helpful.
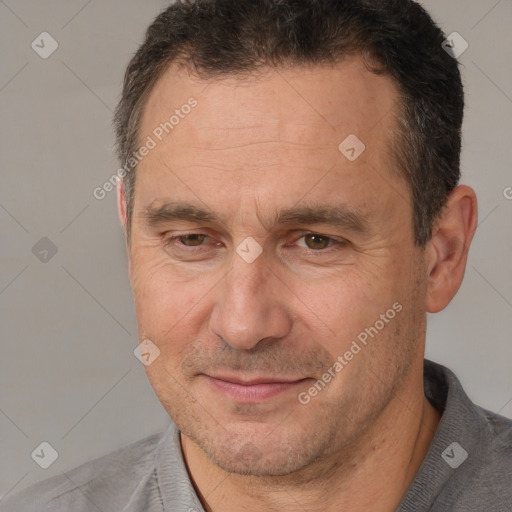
[{"x": 335, "y": 243}]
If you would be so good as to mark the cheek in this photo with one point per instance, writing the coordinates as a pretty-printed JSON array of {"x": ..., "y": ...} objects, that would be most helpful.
[
  {"x": 347, "y": 300},
  {"x": 158, "y": 299},
  {"x": 169, "y": 304},
  {"x": 351, "y": 305}
]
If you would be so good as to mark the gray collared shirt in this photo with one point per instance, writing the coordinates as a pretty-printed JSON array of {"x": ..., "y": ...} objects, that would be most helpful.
[{"x": 468, "y": 468}]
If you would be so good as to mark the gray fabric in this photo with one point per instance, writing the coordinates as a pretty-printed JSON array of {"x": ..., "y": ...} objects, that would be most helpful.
[{"x": 150, "y": 475}]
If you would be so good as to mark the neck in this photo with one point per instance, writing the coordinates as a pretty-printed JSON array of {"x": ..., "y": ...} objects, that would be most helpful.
[{"x": 387, "y": 455}]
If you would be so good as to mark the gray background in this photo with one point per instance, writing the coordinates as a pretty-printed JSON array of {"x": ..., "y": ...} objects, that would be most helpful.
[{"x": 68, "y": 375}]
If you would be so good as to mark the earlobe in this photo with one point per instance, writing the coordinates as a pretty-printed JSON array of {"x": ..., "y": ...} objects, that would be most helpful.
[{"x": 449, "y": 246}]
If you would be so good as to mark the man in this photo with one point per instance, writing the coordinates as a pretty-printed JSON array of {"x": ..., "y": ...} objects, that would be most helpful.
[{"x": 292, "y": 210}]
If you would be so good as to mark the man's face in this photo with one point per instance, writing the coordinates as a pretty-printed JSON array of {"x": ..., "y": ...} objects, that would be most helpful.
[{"x": 260, "y": 159}]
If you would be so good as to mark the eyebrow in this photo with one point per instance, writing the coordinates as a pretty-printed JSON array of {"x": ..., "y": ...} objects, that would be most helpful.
[
  {"x": 338, "y": 216},
  {"x": 170, "y": 211}
]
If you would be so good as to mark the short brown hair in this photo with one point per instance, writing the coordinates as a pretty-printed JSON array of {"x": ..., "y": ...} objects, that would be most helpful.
[{"x": 234, "y": 37}]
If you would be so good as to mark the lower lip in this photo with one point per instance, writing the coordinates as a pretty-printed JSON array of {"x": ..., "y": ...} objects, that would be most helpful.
[{"x": 255, "y": 392}]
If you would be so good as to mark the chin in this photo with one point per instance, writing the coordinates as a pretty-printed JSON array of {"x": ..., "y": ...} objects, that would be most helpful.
[
  {"x": 250, "y": 461},
  {"x": 261, "y": 454}
]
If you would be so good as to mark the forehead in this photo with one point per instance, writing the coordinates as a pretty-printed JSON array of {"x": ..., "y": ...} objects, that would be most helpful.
[
  {"x": 330, "y": 100},
  {"x": 282, "y": 127}
]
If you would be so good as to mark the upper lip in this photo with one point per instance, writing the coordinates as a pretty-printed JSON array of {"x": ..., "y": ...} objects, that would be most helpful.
[{"x": 256, "y": 380}]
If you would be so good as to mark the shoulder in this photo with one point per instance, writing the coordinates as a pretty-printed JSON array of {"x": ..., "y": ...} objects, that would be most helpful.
[
  {"x": 496, "y": 453},
  {"x": 99, "y": 484},
  {"x": 469, "y": 463},
  {"x": 486, "y": 484}
]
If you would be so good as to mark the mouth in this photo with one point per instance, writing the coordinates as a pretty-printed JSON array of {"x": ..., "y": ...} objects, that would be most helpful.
[{"x": 254, "y": 390}]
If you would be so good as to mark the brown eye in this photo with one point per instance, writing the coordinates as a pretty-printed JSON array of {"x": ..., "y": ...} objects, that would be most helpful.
[
  {"x": 318, "y": 242},
  {"x": 191, "y": 240}
]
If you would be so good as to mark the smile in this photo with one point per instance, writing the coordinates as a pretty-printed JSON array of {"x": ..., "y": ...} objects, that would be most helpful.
[{"x": 252, "y": 391}]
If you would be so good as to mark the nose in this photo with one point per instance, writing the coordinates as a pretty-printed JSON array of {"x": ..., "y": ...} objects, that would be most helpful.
[{"x": 251, "y": 306}]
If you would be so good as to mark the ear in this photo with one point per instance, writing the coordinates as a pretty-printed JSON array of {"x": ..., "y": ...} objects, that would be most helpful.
[
  {"x": 449, "y": 246},
  {"x": 121, "y": 203},
  {"x": 121, "y": 209}
]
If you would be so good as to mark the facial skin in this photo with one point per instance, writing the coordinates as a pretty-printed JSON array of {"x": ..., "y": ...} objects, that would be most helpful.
[{"x": 251, "y": 149}]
